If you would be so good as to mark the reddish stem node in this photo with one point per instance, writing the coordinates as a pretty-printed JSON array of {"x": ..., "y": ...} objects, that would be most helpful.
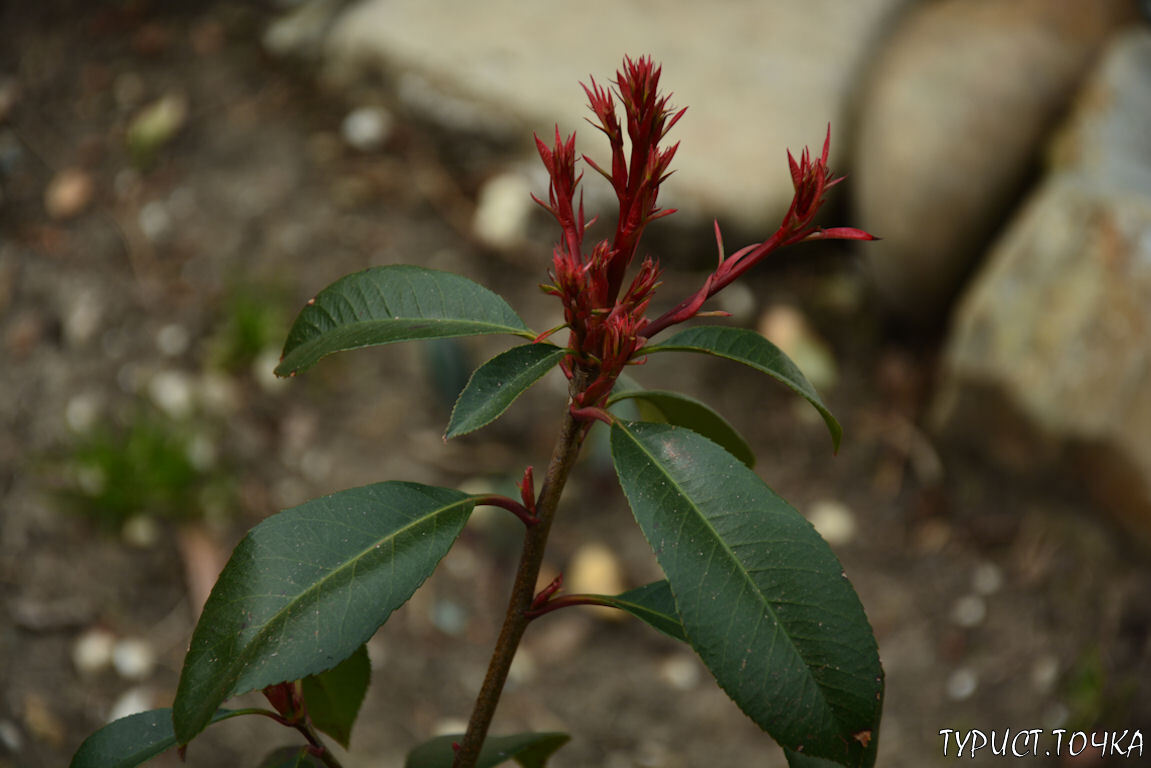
[{"x": 526, "y": 515}]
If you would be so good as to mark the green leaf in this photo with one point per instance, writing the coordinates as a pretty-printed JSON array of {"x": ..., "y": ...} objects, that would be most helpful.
[
  {"x": 382, "y": 305},
  {"x": 748, "y": 347},
  {"x": 683, "y": 411},
  {"x": 763, "y": 600},
  {"x": 334, "y": 697},
  {"x": 133, "y": 740},
  {"x": 653, "y": 604},
  {"x": 307, "y": 587},
  {"x": 530, "y": 750},
  {"x": 291, "y": 757},
  {"x": 497, "y": 383}
]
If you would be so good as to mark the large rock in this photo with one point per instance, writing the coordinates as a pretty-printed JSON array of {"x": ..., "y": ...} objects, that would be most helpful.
[
  {"x": 759, "y": 77},
  {"x": 955, "y": 108},
  {"x": 1050, "y": 356}
]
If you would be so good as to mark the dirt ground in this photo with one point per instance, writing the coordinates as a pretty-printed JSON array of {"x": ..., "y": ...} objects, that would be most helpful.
[{"x": 999, "y": 601}]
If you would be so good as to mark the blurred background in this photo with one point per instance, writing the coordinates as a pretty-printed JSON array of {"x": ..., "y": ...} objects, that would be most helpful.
[{"x": 177, "y": 178}]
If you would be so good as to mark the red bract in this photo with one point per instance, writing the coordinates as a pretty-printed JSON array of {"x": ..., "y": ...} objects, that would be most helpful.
[
  {"x": 636, "y": 180},
  {"x": 604, "y": 327},
  {"x": 811, "y": 179},
  {"x": 608, "y": 332}
]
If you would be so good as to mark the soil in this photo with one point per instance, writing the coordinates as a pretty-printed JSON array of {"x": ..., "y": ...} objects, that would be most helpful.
[{"x": 999, "y": 600}]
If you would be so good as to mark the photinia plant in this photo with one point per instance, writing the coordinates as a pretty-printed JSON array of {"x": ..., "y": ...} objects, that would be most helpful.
[{"x": 750, "y": 585}]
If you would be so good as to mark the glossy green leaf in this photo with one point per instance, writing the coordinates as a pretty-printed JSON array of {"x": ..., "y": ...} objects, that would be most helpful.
[
  {"x": 333, "y": 697},
  {"x": 751, "y": 349},
  {"x": 291, "y": 757},
  {"x": 529, "y": 750},
  {"x": 382, "y": 305},
  {"x": 497, "y": 383},
  {"x": 683, "y": 411},
  {"x": 307, "y": 587},
  {"x": 653, "y": 604},
  {"x": 763, "y": 600},
  {"x": 133, "y": 740}
]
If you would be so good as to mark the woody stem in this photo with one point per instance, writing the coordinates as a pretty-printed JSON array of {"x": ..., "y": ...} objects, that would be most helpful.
[{"x": 524, "y": 588}]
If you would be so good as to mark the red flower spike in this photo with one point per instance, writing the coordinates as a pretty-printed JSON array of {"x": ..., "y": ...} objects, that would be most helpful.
[
  {"x": 811, "y": 179},
  {"x": 635, "y": 179},
  {"x": 607, "y": 323}
]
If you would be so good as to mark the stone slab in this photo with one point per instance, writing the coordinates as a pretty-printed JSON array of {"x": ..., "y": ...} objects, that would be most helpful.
[{"x": 758, "y": 77}]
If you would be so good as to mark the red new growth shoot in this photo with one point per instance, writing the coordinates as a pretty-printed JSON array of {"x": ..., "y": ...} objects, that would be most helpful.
[{"x": 607, "y": 331}]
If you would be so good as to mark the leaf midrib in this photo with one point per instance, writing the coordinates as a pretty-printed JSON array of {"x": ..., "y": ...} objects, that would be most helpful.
[
  {"x": 747, "y": 579},
  {"x": 521, "y": 331}
]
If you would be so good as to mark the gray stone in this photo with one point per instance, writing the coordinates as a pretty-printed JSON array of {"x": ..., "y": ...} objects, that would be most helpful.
[
  {"x": 955, "y": 108},
  {"x": 1049, "y": 359},
  {"x": 759, "y": 77}
]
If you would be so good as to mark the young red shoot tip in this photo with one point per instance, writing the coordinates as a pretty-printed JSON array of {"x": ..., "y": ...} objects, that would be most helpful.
[
  {"x": 528, "y": 491},
  {"x": 545, "y": 594},
  {"x": 840, "y": 233}
]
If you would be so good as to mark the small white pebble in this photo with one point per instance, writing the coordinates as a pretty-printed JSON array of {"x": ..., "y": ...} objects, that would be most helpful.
[
  {"x": 10, "y": 737},
  {"x": 834, "y": 521},
  {"x": 140, "y": 531},
  {"x": 82, "y": 411},
  {"x": 377, "y": 653},
  {"x": 739, "y": 301},
  {"x": 173, "y": 339},
  {"x": 449, "y": 617},
  {"x": 595, "y": 569},
  {"x": 92, "y": 651},
  {"x": 448, "y": 726},
  {"x": 523, "y": 668},
  {"x": 91, "y": 479},
  {"x": 987, "y": 578},
  {"x": 154, "y": 220},
  {"x": 961, "y": 684},
  {"x": 264, "y": 370},
  {"x": 787, "y": 328},
  {"x": 969, "y": 611},
  {"x": 501, "y": 216},
  {"x": 133, "y": 658},
  {"x": 217, "y": 393},
  {"x": 201, "y": 452},
  {"x": 1045, "y": 673},
  {"x": 171, "y": 391},
  {"x": 680, "y": 671},
  {"x": 367, "y": 128},
  {"x": 131, "y": 702},
  {"x": 477, "y": 486},
  {"x": 82, "y": 318}
]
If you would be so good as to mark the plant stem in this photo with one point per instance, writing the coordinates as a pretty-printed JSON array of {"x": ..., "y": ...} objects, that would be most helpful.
[
  {"x": 305, "y": 728},
  {"x": 321, "y": 750},
  {"x": 524, "y": 588}
]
